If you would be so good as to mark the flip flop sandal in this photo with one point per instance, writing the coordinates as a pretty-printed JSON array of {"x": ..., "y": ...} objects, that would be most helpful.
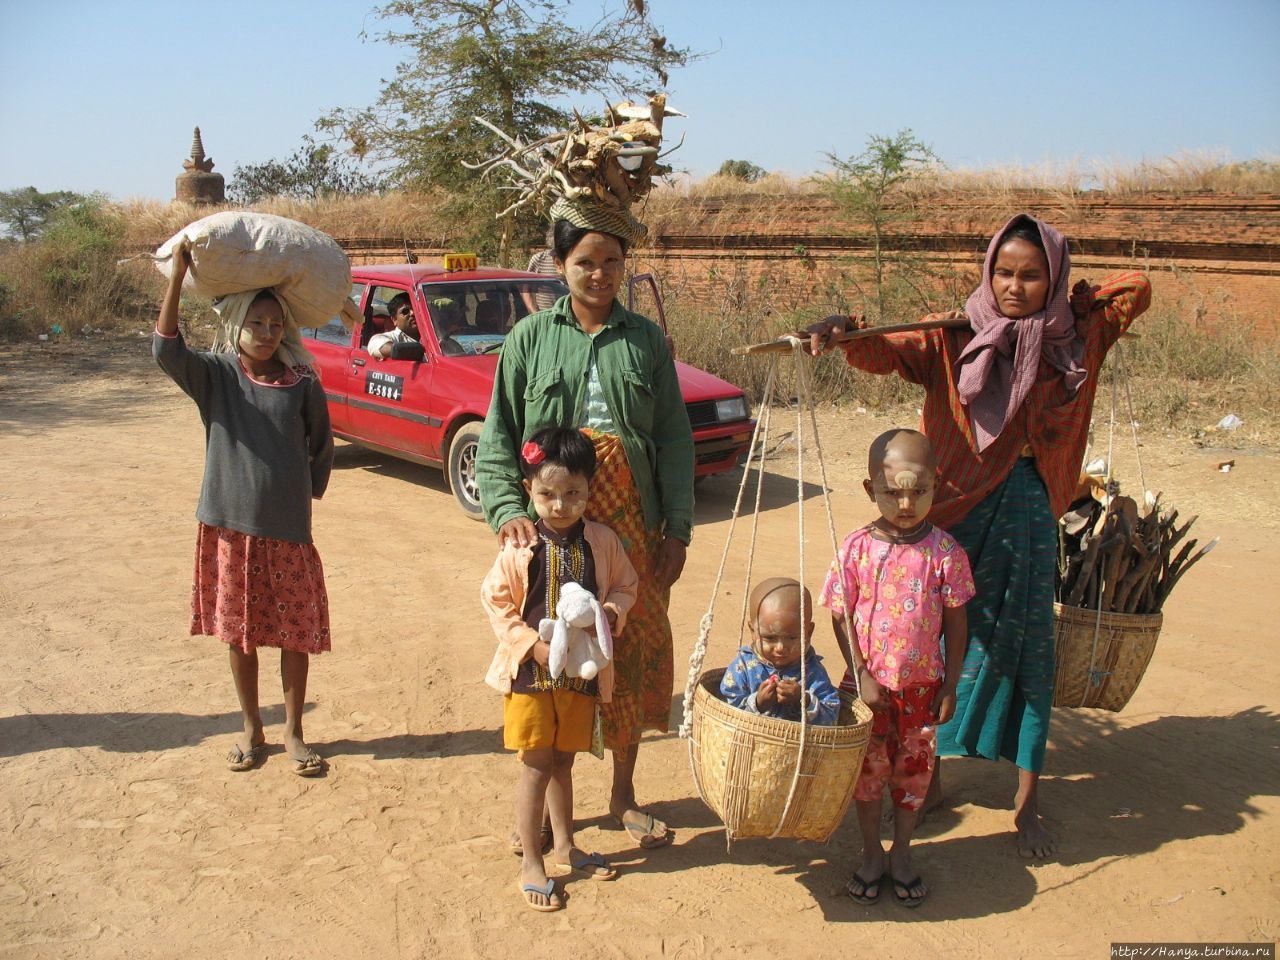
[
  {"x": 548, "y": 891},
  {"x": 643, "y": 834},
  {"x": 860, "y": 890},
  {"x": 596, "y": 867},
  {"x": 240, "y": 761},
  {"x": 544, "y": 834},
  {"x": 312, "y": 765},
  {"x": 902, "y": 892}
]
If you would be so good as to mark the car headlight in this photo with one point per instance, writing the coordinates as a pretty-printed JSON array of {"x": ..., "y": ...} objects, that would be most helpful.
[{"x": 734, "y": 408}]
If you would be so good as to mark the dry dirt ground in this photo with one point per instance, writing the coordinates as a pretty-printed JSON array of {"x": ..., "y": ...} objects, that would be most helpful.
[{"x": 125, "y": 836}]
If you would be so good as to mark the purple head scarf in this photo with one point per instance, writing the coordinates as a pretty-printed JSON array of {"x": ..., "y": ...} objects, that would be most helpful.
[{"x": 998, "y": 367}]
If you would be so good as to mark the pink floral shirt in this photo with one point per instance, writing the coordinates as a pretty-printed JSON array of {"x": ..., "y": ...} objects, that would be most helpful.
[{"x": 899, "y": 591}]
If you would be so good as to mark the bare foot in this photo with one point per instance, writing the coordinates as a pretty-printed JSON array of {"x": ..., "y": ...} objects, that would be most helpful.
[
  {"x": 306, "y": 762},
  {"x": 247, "y": 741},
  {"x": 248, "y": 750},
  {"x": 295, "y": 746},
  {"x": 908, "y": 888},
  {"x": 864, "y": 885},
  {"x": 539, "y": 892},
  {"x": 1034, "y": 841},
  {"x": 594, "y": 865},
  {"x": 646, "y": 830},
  {"x": 544, "y": 834}
]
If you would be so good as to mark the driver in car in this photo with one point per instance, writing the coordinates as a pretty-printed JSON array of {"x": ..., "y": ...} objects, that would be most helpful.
[{"x": 382, "y": 345}]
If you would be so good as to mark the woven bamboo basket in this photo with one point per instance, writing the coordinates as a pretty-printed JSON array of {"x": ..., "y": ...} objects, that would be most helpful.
[
  {"x": 1107, "y": 675},
  {"x": 743, "y": 765}
]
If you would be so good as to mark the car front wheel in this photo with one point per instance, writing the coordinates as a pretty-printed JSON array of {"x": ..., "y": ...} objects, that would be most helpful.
[{"x": 461, "y": 469}]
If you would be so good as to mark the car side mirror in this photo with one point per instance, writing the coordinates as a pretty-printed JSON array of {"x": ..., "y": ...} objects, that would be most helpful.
[{"x": 408, "y": 350}]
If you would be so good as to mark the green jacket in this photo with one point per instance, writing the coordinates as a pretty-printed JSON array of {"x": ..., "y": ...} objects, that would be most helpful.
[{"x": 542, "y": 380}]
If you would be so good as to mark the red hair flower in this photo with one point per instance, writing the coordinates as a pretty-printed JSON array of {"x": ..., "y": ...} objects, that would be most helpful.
[{"x": 532, "y": 454}]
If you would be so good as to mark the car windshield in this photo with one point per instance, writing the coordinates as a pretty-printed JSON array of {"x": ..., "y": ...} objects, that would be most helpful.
[{"x": 474, "y": 317}]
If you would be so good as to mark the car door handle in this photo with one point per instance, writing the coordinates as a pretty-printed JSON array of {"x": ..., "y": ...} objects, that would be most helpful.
[{"x": 357, "y": 362}]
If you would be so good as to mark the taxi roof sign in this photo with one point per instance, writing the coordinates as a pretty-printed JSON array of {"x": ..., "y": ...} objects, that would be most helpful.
[{"x": 461, "y": 261}]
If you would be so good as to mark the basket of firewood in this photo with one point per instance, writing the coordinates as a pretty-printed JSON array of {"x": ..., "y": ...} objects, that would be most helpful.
[{"x": 1116, "y": 567}]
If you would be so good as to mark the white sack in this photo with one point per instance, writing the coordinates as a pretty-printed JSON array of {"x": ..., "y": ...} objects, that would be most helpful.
[{"x": 235, "y": 251}]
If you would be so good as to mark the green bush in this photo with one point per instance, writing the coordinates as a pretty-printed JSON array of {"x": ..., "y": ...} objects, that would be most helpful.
[{"x": 69, "y": 276}]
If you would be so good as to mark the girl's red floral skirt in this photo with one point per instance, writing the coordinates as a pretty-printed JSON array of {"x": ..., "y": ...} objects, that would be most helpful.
[{"x": 255, "y": 592}]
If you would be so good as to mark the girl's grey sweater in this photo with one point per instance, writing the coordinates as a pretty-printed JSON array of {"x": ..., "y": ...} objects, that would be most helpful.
[{"x": 268, "y": 449}]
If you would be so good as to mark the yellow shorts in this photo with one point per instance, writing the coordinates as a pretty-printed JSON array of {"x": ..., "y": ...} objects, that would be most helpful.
[{"x": 562, "y": 719}]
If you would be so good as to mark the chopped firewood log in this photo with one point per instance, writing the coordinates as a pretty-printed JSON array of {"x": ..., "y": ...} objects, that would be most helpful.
[{"x": 1116, "y": 556}]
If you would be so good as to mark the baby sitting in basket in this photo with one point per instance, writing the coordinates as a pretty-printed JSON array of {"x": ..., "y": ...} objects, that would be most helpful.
[{"x": 764, "y": 678}]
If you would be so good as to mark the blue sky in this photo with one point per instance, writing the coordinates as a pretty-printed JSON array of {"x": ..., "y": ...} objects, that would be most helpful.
[{"x": 102, "y": 96}]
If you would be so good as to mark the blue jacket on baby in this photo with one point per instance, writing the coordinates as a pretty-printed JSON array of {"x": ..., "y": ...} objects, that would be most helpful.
[{"x": 747, "y": 672}]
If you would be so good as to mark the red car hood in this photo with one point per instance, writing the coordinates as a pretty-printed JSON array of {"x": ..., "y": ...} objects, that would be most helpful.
[{"x": 698, "y": 385}]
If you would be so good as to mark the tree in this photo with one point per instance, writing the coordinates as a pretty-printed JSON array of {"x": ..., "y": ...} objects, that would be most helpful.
[
  {"x": 511, "y": 62},
  {"x": 312, "y": 171},
  {"x": 864, "y": 188},
  {"x": 743, "y": 170},
  {"x": 25, "y": 212}
]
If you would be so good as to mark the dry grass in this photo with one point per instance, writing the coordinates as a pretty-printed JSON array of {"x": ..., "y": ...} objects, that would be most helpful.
[
  {"x": 1189, "y": 172},
  {"x": 683, "y": 186},
  {"x": 748, "y": 311},
  {"x": 1199, "y": 360},
  {"x": 1181, "y": 173}
]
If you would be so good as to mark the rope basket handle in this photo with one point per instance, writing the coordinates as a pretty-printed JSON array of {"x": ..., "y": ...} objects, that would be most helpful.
[{"x": 1118, "y": 369}]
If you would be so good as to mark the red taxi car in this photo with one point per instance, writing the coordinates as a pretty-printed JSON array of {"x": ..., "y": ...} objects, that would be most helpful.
[{"x": 430, "y": 410}]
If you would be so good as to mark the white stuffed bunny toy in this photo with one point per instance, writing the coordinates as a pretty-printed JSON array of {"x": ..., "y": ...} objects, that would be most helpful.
[{"x": 574, "y": 651}]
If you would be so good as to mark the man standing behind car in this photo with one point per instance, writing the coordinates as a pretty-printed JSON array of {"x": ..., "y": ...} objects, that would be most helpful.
[{"x": 382, "y": 345}]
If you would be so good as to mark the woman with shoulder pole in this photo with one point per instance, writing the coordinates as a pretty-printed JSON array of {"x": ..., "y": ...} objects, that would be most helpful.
[{"x": 1008, "y": 405}]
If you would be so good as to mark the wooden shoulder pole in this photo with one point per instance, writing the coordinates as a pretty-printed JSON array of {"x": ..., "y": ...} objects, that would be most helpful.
[{"x": 784, "y": 345}]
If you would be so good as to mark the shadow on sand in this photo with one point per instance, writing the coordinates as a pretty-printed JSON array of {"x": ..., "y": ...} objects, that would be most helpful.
[
  {"x": 1101, "y": 800},
  {"x": 714, "y": 497},
  {"x": 121, "y": 732}
]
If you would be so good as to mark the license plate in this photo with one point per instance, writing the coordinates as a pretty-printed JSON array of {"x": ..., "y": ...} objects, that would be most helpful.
[{"x": 386, "y": 386}]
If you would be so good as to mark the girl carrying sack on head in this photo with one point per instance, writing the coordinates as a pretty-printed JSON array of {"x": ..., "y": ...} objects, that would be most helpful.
[{"x": 268, "y": 451}]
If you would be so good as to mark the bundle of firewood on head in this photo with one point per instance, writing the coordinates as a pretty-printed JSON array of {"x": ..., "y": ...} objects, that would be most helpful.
[
  {"x": 593, "y": 172},
  {"x": 1114, "y": 558}
]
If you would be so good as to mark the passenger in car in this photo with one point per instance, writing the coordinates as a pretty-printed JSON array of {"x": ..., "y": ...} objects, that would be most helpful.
[
  {"x": 448, "y": 317},
  {"x": 405, "y": 329},
  {"x": 491, "y": 316}
]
